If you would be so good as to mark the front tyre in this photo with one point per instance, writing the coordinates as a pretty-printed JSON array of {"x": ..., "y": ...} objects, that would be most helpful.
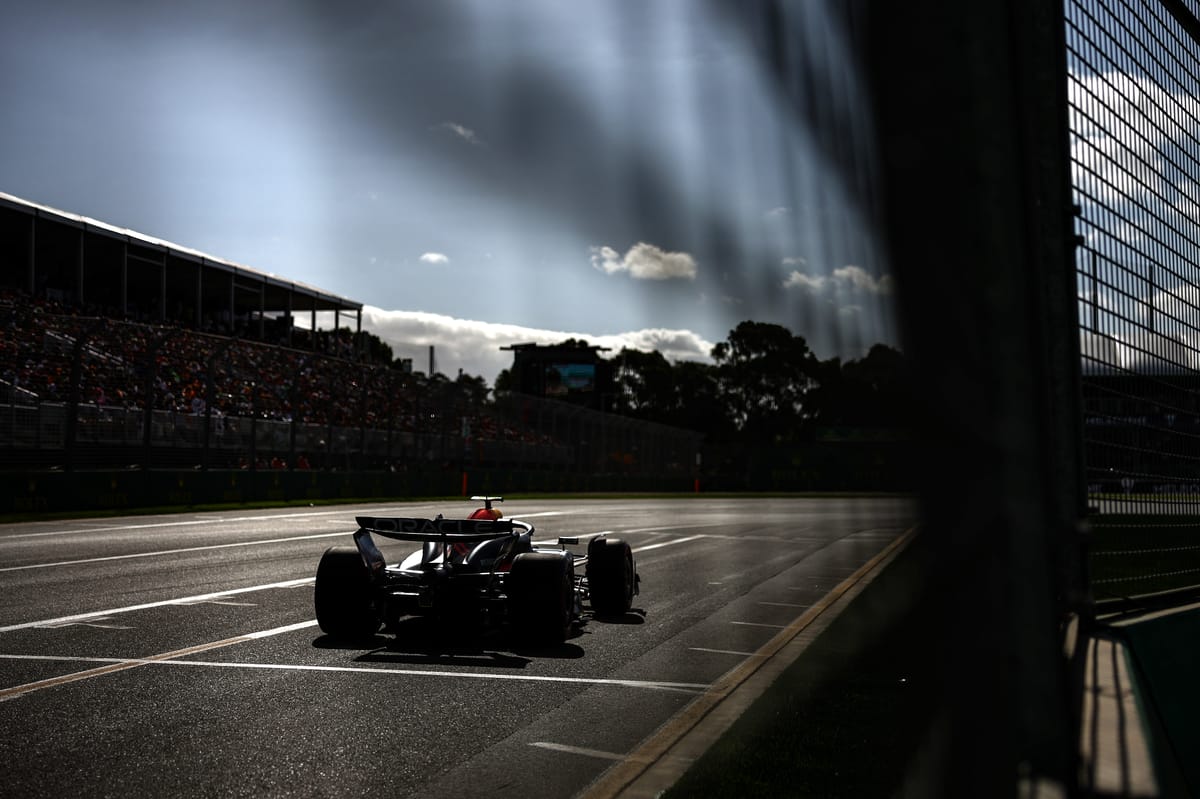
[
  {"x": 610, "y": 576},
  {"x": 342, "y": 595}
]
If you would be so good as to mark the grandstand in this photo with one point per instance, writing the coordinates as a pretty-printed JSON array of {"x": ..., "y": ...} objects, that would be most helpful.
[
  {"x": 89, "y": 266},
  {"x": 122, "y": 352}
]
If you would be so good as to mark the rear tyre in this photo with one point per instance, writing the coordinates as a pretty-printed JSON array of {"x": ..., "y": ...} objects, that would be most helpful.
[
  {"x": 342, "y": 595},
  {"x": 541, "y": 596},
  {"x": 610, "y": 576}
]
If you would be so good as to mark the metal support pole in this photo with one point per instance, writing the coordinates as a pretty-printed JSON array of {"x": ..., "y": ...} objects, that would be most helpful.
[
  {"x": 79, "y": 269},
  {"x": 162, "y": 288},
  {"x": 210, "y": 397},
  {"x": 32, "y": 285},
  {"x": 125, "y": 279},
  {"x": 73, "y": 396}
]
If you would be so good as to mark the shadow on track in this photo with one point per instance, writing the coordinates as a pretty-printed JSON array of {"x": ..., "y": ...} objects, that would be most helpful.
[{"x": 424, "y": 641}]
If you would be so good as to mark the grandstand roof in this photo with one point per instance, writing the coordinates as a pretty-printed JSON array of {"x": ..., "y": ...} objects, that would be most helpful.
[{"x": 324, "y": 300}]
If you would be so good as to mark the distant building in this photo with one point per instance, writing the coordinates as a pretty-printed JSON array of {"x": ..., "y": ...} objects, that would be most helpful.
[{"x": 572, "y": 372}]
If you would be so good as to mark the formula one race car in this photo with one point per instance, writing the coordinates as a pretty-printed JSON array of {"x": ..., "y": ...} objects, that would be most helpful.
[{"x": 483, "y": 568}]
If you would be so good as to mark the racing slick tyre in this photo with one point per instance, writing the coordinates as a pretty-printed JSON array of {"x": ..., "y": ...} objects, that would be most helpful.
[
  {"x": 541, "y": 596},
  {"x": 610, "y": 576},
  {"x": 342, "y": 595}
]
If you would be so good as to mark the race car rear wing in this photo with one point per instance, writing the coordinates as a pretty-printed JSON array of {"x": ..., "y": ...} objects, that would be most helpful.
[
  {"x": 437, "y": 534},
  {"x": 446, "y": 530}
]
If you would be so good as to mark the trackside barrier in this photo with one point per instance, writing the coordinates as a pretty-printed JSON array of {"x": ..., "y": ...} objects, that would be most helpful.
[
  {"x": 50, "y": 492},
  {"x": 1164, "y": 672}
]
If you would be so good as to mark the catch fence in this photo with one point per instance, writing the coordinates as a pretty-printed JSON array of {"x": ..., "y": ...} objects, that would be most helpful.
[{"x": 1134, "y": 110}]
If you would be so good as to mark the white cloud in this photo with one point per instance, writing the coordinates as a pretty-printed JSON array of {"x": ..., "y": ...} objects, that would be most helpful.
[
  {"x": 801, "y": 280},
  {"x": 778, "y": 212},
  {"x": 845, "y": 279},
  {"x": 435, "y": 258},
  {"x": 1140, "y": 352},
  {"x": 645, "y": 262},
  {"x": 462, "y": 132},
  {"x": 863, "y": 280},
  {"x": 1117, "y": 135},
  {"x": 474, "y": 346}
]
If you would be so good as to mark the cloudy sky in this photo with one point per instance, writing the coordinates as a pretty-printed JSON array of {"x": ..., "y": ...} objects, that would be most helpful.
[
  {"x": 1136, "y": 173},
  {"x": 477, "y": 173}
]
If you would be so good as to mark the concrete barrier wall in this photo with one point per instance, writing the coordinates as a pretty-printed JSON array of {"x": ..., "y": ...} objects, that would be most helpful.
[{"x": 1165, "y": 650}]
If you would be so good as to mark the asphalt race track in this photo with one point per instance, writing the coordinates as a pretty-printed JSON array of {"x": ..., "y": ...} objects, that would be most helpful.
[{"x": 179, "y": 655}]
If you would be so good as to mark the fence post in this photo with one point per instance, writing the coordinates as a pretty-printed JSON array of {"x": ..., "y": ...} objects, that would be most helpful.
[
  {"x": 151, "y": 368},
  {"x": 210, "y": 397}
]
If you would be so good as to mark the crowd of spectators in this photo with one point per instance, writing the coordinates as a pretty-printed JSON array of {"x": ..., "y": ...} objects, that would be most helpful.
[{"x": 127, "y": 364}]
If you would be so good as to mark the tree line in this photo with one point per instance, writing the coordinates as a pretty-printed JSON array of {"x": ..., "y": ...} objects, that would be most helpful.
[
  {"x": 764, "y": 385},
  {"x": 773, "y": 414}
]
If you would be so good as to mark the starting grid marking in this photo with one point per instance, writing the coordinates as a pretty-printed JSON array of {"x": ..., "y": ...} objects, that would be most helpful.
[
  {"x": 111, "y": 665},
  {"x": 114, "y": 665},
  {"x": 174, "y": 658},
  {"x": 187, "y": 600},
  {"x": 218, "y": 596}
]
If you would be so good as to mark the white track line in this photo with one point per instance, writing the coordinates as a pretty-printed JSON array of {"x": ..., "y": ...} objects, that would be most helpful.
[
  {"x": 206, "y": 548},
  {"x": 109, "y": 665},
  {"x": 674, "y": 527},
  {"x": 192, "y": 523},
  {"x": 578, "y": 750},
  {"x": 173, "y": 551},
  {"x": 113, "y": 665},
  {"x": 285, "y": 629},
  {"x": 192, "y": 600},
  {"x": 672, "y": 542},
  {"x": 178, "y": 601}
]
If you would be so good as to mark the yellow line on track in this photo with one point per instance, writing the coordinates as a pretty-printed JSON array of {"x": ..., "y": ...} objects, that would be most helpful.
[
  {"x": 53, "y": 682},
  {"x": 66, "y": 679},
  {"x": 655, "y": 748}
]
